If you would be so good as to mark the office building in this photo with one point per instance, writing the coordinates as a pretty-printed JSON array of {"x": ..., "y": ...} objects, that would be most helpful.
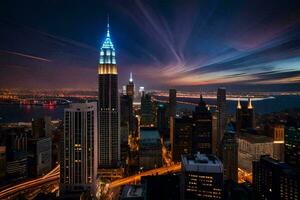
[
  {"x": 162, "y": 120},
  {"x": 275, "y": 180},
  {"x": 245, "y": 118},
  {"x": 230, "y": 153},
  {"x": 202, "y": 129},
  {"x": 251, "y": 147},
  {"x": 292, "y": 147},
  {"x": 202, "y": 177},
  {"x": 147, "y": 117},
  {"x": 39, "y": 156},
  {"x": 182, "y": 137},
  {"x": 214, "y": 132},
  {"x": 172, "y": 115},
  {"x": 108, "y": 101},
  {"x": 130, "y": 87},
  {"x": 150, "y": 152},
  {"x": 78, "y": 163},
  {"x": 222, "y": 116},
  {"x": 41, "y": 127}
]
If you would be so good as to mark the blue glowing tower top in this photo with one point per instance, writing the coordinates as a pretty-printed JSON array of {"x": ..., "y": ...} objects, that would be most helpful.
[{"x": 107, "y": 53}]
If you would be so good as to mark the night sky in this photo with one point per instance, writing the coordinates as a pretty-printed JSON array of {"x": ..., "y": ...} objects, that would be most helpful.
[{"x": 188, "y": 45}]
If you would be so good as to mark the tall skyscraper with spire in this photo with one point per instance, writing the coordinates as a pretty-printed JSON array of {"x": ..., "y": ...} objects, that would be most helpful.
[{"x": 108, "y": 105}]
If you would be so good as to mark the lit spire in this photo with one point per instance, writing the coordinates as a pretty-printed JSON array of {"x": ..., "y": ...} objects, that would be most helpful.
[
  {"x": 107, "y": 33},
  {"x": 239, "y": 106},
  {"x": 130, "y": 78},
  {"x": 250, "y": 103}
]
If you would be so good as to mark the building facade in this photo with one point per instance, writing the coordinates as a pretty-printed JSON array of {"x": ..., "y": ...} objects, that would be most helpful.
[
  {"x": 202, "y": 177},
  {"x": 245, "y": 118},
  {"x": 79, "y": 148},
  {"x": 275, "y": 180},
  {"x": 221, "y": 116},
  {"x": 230, "y": 153},
  {"x": 108, "y": 106},
  {"x": 182, "y": 137},
  {"x": 202, "y": 129},
  {"x": 292, "y": 147},
  {"x": 150, "y": 152}
]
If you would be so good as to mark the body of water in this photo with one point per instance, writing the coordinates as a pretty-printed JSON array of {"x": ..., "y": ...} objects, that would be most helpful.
[{"x": 24, "y": 113}]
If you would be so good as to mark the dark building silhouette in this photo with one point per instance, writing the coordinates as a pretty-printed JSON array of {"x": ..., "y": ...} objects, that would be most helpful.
[
  {"x": 275, "y": 180},
  {"x": 221, "y": 116},
  {"x": 182, "y": 137},
  {"x": 230, "y": 153},
  {"x": 202, "y": 129},
  {"x": 164, "y": 187},
  {"x": 147, "y": 117},
  {"x": 292, "y": 147},
  {"x": 172, "y": 115},
  {"x": 162, "y": 120},
  {"x": 245, "y": 118}
]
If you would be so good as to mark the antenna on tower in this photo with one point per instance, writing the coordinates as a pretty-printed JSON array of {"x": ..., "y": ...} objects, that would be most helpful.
[
  {"x": 107, "y": 33},
  {"x": 130, "y": 78}
]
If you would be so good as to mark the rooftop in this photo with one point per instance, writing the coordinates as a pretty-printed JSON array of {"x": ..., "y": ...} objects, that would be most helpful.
[
  {"x": 202, "y": 163},
  {"x": 149, "y": 134}
]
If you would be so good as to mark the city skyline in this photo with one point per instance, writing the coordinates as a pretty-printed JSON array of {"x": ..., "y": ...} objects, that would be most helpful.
[{"x": 241, "y": 45}]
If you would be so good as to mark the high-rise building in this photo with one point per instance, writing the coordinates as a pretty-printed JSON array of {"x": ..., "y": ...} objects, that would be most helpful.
[
  {"x": 292, "y": 147},
  {"x": 202, "y": 177},
  {"x": 39, "y": 156},
  {"x": 230, "y": 153},
  {"x": 222, "y": 115},
  {"x": 79, "y": 148},
  {"x": 275, "y": 180},
  {"x": 245, "y": 118},
  {"x": 162, "y": 120},
  {"x": 41, "y": 127},
  {"x": 147, "y": 117},
  {"x": 172, "y": 115},
  {"x": 214, "y": 132},
  {"x": 150, "y": 148},
  {"x": 108, "y": 101},
  {"x": 251, "y": 147},
  {"x": 202, "y": 129},
  {"x": 182, "y": 137},
  {"x": 130, "y": 87}
]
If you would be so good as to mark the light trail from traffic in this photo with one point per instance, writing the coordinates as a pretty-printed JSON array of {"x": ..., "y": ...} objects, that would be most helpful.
[
  {"x": 136, "y": 178},
  {"x": 53, "y": 175}
]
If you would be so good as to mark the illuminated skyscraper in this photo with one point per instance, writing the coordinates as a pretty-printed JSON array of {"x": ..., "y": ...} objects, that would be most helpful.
[
  {"x": 245, "y": 115},
  {"x": 78, "y": 164},
  {"x": 130, "y": 87},
  {"x": 108, "y": 100}
]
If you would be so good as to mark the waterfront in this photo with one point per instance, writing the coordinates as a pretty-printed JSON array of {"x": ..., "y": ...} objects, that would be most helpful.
[{"x": 24, "y": 113}]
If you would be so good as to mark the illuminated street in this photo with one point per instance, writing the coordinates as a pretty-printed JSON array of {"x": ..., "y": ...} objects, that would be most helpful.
[
  {"x": 137, "y": 178},
  {"x": 20, "y": 188}
]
